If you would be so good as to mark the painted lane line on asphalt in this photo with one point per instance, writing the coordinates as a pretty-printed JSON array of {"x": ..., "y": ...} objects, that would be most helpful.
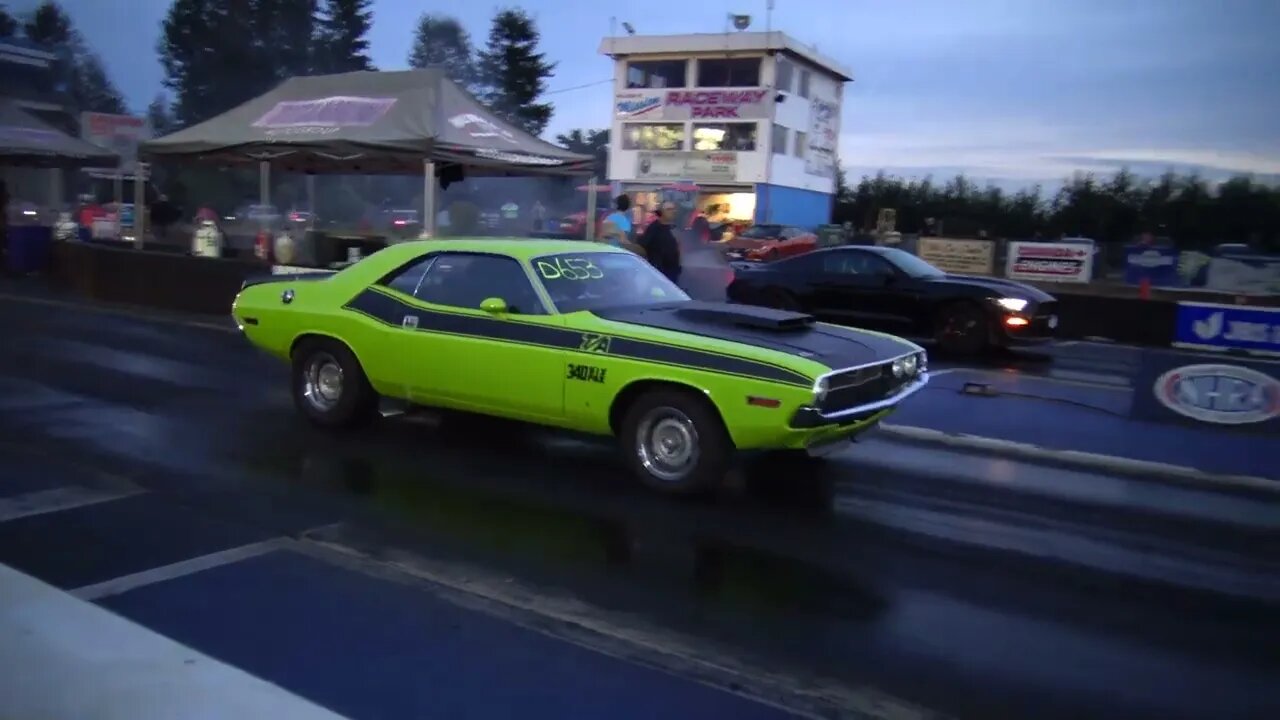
[
  {"x": 66, "y": 658},
  {"x": 619, "y": 635},
  {"x": 123, "y": 311},
  {"x": 191, "y": 566},
  {"x": 1079, "y": 459},
  {"x": 57, "y": 499}
]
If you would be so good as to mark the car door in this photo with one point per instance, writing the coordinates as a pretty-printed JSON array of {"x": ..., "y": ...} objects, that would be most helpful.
[
  {"x": 471, "y": 359},
  {"x": 861, "y": 288}
]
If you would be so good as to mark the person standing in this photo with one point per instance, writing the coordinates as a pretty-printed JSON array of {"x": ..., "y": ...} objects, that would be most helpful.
[
  {"x": 621, "y": 219},
  {"x": 660, "y": 245}
]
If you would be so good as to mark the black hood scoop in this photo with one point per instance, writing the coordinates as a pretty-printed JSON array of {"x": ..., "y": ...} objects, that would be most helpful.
[{"x": 745, "y": 316}]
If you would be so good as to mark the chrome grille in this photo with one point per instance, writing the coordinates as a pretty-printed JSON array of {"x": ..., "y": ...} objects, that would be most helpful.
[{"x": 860, "y": 386}]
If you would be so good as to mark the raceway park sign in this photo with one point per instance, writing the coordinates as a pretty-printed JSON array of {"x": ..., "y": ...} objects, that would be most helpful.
[
  {"x": 726, "y": 104},
  {"x": 1050, "y": 262}
]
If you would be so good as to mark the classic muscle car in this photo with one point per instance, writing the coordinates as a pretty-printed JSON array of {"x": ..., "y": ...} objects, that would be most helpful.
[{"x": 579, "y": 336}]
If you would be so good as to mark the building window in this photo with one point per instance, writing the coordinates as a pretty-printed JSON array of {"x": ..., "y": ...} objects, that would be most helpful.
[
  {"x": 657, "y": 74},
  {"x": 804, "y": 83},
  {"x": 729, "y": 72},
  {"x": 786, "y": 73},
  {"x": 779, "y": 140},
  {"x": 653, "y": 136},
  {"x": 801, "y": 139},
  {"x": 736, "y": 137}
]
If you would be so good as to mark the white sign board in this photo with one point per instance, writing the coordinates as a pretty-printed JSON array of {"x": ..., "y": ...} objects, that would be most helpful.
[
  {"x": 118, "y": 133},
  {"x": 1049, "y": 262},
  {"x": 696, "y": 166},
  {"x": 820, "y": 156}
]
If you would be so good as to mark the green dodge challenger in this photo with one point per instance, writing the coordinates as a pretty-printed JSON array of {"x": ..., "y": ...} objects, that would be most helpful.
[{"x": 578, "y": 336}]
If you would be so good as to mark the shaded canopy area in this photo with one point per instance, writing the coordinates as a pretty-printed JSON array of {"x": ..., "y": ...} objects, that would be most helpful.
[
  {"x": 367, "y": 122},
  {"x": 28, "y": 141}
]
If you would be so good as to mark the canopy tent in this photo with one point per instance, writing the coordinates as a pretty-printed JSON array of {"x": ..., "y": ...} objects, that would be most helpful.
[
  {"x": 27, "y": 141},
  {"x": 368, "y": 122}
]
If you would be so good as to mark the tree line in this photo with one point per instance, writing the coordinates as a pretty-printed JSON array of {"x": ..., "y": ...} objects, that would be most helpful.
[
  {"x": 78, "y": 71},
  {"x": 1184, "y": 209}
]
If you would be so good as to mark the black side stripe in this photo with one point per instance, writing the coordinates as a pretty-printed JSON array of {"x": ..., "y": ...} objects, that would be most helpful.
[{"x": 393, "y": 311}]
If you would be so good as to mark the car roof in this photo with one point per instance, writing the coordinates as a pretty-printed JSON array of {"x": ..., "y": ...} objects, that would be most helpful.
[{"x": 519, "y": 248}]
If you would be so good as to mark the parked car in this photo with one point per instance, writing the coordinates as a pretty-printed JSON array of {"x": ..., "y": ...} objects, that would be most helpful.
[
  {"x": 402, "y": 223},
  {"x": 584, "y": 337},
  {"x": 893, "y": 290},
  {"x": 770, "y": 242}
]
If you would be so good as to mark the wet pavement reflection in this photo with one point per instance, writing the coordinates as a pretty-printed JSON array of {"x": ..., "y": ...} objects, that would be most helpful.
[{"x": 808, "y": 566}]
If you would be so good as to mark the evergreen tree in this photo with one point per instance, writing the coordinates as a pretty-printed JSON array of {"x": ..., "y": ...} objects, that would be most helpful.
[
  {"x": 589, "y": 142},
  {"x": 161, "y": 119},
  {"x": 79, "y": 71},
  {"x": 513, "y": 73},
  {"x": 8, "y": 25},
  {"x": 441, "y": 41},
  {"x": 341, "y": 36}
]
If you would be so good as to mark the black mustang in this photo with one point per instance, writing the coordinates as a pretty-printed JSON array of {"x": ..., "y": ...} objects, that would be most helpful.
[{"x": 896, "y": 291}]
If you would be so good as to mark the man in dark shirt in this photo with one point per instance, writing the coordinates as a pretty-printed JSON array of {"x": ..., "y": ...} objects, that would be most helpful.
[{"x": 660, "y": 245}]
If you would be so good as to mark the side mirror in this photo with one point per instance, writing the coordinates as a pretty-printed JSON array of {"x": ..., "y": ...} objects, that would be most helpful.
[{"x": 494, "y": 305}]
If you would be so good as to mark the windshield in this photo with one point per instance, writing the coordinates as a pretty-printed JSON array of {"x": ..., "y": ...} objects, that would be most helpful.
[
  {"x": 911, "y": 265},
  {"x": 762, "y": 231},
  {"x": 593, "y": 280}
]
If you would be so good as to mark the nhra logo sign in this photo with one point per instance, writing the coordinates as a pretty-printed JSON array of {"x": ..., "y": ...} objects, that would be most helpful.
[{"x": 1219, "y": 394}]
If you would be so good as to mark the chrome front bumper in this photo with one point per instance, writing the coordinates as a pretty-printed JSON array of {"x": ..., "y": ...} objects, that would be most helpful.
[{"x": 811, "y": 417}]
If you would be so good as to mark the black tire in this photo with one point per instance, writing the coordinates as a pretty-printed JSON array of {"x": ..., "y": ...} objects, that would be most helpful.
[
  {"x": 353, "y": 403},
  {"x": 963, "y": 329},
  {"x": 687, "y": 421},
  {"x": 780, "y": 299}
]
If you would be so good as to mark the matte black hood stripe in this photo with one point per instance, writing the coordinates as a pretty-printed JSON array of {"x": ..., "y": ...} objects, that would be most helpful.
[{"x": 391, "y": 310}]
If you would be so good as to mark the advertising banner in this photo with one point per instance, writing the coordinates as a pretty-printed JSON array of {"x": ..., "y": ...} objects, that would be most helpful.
[
  {"x": 1157, "y": 265},
  {"x": 1236, "y": 394},
  {"x": 665, "y": 166},
  {"x": 1049, "y": 262},
  {"x": 1209, "y": 326},
  {"x": 963, "y": 257},
  {"x": 820, "y": 156},
  {"x": 1244, "y": 274},
  {"x": 118, "y": 133},
  {"x": 677, "y": 105}
]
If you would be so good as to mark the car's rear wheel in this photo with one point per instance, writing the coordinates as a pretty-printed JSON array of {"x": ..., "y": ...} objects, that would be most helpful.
[
  {"x": 963, "y": 329},
  {"x": 675, "y": 442},
  {"x": 329, "y": 387},
  {"x": 780, "y": 299}
]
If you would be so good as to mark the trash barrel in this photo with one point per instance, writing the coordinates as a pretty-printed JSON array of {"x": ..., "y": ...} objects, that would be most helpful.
[{"x": 29, "y": 248}]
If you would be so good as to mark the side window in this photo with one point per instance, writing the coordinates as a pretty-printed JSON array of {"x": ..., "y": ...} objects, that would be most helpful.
[
  {"x": 465, "y": 280},
  {"x": 406, "y": 278},
  {"x": 855, "y": 263}
]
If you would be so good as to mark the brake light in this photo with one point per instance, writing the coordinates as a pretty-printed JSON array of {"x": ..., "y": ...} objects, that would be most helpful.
[{"x": 398, "y": 222}]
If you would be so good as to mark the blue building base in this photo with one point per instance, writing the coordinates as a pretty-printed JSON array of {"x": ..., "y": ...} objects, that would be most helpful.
[{"x": 780, "y": 205}]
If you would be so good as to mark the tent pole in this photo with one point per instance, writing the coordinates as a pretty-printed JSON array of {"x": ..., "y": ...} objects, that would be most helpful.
[
  {"x": 264, "y": 183},
  {"x": 429, "y": 198},
  {"x": 140, "y": 172},
  {"x": 311, "y": 201},
  {"x": 591, "y": 210}
]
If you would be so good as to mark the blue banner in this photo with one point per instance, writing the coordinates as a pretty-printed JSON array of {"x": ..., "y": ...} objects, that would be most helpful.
[
  {"x": 1156, "y": 264},
  {"x": 1228, "y": 327}
]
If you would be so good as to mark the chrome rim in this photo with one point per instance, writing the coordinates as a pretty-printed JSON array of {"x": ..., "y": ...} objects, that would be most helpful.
[
  {"x": 322, "y": 382},
  {"x": 667, "y": 444}
]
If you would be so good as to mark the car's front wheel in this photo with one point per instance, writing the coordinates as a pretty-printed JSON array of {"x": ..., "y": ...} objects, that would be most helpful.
[
  {"x": 675, "y": 442},
  {"x": 329, "y": 386},
  {"x": 963, "y": 329}
]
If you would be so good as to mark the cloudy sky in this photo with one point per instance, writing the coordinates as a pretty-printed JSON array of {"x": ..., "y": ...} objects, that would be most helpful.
[{"x": 1009, "y": 90}]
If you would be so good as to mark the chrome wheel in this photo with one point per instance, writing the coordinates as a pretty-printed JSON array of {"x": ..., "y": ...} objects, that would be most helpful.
[
  {"x": 322, "y": 382},
  {"x": 667, "y": 444}
]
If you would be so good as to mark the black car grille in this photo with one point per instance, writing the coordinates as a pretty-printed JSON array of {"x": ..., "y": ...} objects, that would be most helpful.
[
  {"x": 1045, "y": 309},
  {"x": 862, "y": 386}
]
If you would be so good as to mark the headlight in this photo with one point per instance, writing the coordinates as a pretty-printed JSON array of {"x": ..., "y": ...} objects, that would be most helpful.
[
  {"x": 909, "y": 365},
  {"x": 820, "y": 390},
  {"x": 1012, "y": 304},
  {"x": 899, "y": 367},
  {"x": 922, "y": 362}
]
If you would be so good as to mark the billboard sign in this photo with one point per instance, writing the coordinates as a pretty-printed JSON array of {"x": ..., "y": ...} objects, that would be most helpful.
[
  {"x": 702, "y": 104},
  {"x": 119, "y": 133}
]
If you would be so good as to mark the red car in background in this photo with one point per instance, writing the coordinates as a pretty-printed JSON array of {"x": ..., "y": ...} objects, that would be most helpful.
[
  {"x": 770, "y": 242},
  {"x": 575, "y": 225}
]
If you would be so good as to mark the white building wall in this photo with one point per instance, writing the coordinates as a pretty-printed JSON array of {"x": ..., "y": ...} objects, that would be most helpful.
[{"x": 753, "y": 167}]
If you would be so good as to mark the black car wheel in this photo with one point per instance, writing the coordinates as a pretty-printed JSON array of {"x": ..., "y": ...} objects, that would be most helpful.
[
  {"x": 675, "y": 442},
  {"x": 329, "y": 386},
  {"x": 780, "y": 299},
  {"x": 962, "y": 329}
]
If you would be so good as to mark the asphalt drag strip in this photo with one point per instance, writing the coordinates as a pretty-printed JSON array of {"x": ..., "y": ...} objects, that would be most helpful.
[{"x": 887, "y": 579}]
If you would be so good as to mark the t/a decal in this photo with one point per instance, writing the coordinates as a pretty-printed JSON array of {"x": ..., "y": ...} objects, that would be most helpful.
[
  {"x": 586, "y": 373},
  {"x": 593, "y": 343}
]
